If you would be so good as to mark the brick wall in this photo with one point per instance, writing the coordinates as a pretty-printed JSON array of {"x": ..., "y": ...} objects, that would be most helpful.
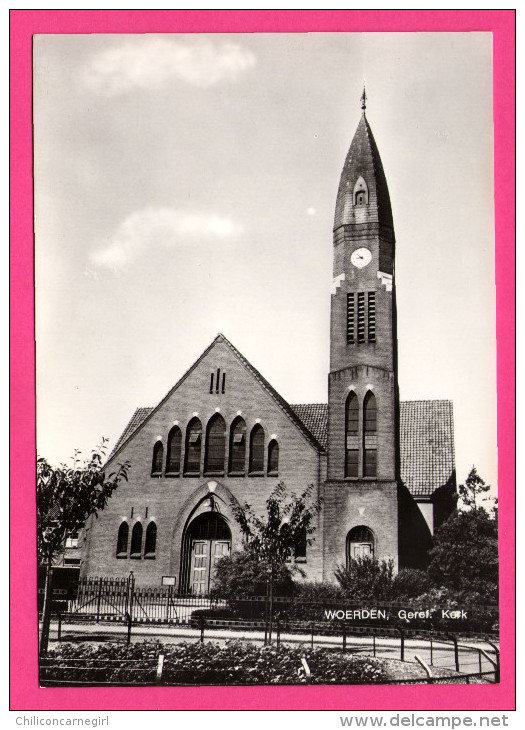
[{"x": 173, "y": 502}]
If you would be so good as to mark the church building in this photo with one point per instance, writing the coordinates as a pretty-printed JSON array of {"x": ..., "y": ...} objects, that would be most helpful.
[{"x": 383, "y": 468}]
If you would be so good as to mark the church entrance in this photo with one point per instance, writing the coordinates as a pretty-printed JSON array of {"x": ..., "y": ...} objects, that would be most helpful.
[{"x": 206, "y": 540}]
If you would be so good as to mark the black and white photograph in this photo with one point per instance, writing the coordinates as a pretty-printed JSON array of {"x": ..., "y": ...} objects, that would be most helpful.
[{"x": 265, "y": 316}]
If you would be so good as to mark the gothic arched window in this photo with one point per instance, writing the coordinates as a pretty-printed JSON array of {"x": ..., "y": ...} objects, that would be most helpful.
[
  {"x": 174, "y": 449},
  {"x": 257, "y": 450},
  {"x": 237, "y": 463},
  {"x": 136, "y": 542},
  {"x": 359, "y": 544},
  {"x": 150, "y": 544},
  {"x": 351, "y": 436},
  {"x": 192, "y": 456},
  {"x": 215, "y": 445},
  {"x": 370, "y": 413},
  {"x": 122, "y": 540},
  {"x": 370, "y": 429},
  {"x": 273, "y": 458},
  {"x": 158, "y": 457}
]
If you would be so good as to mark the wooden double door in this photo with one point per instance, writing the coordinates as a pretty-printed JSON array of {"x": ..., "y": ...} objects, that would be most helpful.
[{"x": 204, "y": 556}]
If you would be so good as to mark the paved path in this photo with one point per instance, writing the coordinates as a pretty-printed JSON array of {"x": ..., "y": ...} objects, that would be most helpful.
[{"x": 440, "y": 654}]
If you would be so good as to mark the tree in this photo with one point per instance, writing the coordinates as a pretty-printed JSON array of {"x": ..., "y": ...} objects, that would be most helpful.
[
  {"x": 66, "y": 497},
  {"x": 271, "y": 540},
  {"x": 474, "y": 493},
  {"x": 464, "y": 558}
]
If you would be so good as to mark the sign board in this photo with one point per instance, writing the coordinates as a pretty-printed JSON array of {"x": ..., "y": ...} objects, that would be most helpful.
[{"x": 169, "y": 580}]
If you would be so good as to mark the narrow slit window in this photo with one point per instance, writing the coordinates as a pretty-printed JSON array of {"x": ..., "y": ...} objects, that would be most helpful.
[
  {"x": 223, "y": 383},
  {"x": 237, "y": 447},
  {"x": 192, "y": 459},
  {"x": 150, "y": 544},
  {"x": 371, "y": 316},
  {"x": 136, "y": 542},
  {"x": 211, "y": 382},
  {"x": 370, "y": 408},
  {"x": 122, "y": 540},
  {"x": 215, "y": 445},
  {"x": 257, "y": 450},
  {"x": 350, "y": 318},
  {"x": 361, "y": 317},
  {"x": 174, "y": 451},
  {"x": 218, "y": 380},
  {"x": 273, "y": 458},
  {"x": 158, "y": 457}
]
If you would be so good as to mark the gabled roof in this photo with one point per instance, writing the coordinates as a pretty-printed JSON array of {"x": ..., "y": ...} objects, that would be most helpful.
[
  {"x": 363, "y": 159},
  {"x": 141, "y": 415},
  {"x": 427, "y": 445}
]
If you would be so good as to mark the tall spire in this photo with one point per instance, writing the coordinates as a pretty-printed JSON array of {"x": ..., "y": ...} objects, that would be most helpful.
[{"x": 363, "y": 99}]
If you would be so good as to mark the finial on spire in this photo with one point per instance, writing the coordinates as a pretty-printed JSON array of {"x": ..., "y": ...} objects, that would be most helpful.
[{"x": 363, "y": 99}]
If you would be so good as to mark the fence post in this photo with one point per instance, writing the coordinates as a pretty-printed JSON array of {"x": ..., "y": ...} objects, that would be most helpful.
[
  {"x": 374, "y": 643},
  {"x": 202, "y": 629},
  {"x": 431, "y": 652},
  {"x": 402, "y": 646},
  {"x": 278, "y": 630},
  {"x": 497, "y": 671},
  {"x": 456, "y": 650},
  {"x": 128, "y": 617},
  {"x": 313, "y": 629},
  {"x": 160, "y": 666},
  {"x": 168, "y": 599},
  {"x": 59, "y": 629},
  {"x": 479, "y": 657},
  {"x": 344, "y": 637},
  {"x": 130, "y": 592},
  {"x": 99, "y": 597}
]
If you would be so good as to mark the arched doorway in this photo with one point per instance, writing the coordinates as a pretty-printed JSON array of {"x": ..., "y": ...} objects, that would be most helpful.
[
  {"x": 206, "y": 539},
  {"x": 359, "y": 544}
]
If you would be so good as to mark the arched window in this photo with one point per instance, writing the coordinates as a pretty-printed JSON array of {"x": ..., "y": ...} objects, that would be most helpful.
[
  {"x": 174, "y": 451},
  {"x": 150, "y": 544},
  {"x": 273, "y": 458},
  {"x": 215, "y": 445},
  {"x": 257, "y": 450},
  {"x": 158, "y": 457},
  {"x": 351, "y": 435},
  {"x": 122, "y": 540},
  {"x": 359, "y": 544},
  {"x": 370, "y": 413},
  {"x": 237, "y": 463},
  {"x": 370, "y": 429},
  {"x": 360, "y": 192},
  {"x": 300, "y": 546},
  {"x": 136, "y": 542},
  {"x": 192, "y": 458}
]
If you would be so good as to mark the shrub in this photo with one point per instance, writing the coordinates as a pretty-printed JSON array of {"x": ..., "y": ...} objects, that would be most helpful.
[
  {"x": 367, "y": 579},
  {"x": 241, "y": 574},
  {"x": 410, "y": 582}
]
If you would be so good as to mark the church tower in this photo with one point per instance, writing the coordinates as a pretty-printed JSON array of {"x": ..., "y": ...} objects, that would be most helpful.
[{"x": 363, "y": 400}]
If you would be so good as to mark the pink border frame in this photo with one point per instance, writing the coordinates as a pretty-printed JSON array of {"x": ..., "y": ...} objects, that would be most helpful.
[{"x": 25, "y": 693}]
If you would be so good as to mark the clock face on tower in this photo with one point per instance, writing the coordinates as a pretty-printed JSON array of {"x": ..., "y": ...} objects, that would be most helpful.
[{"x": 361, "y": 257}]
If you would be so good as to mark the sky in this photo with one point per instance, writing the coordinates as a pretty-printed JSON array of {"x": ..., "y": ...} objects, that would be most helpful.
[{"x": 185, "y": 185}]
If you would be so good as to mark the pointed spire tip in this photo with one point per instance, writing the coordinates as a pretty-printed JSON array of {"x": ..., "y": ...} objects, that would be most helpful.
[{"x": 363, "y": 99}]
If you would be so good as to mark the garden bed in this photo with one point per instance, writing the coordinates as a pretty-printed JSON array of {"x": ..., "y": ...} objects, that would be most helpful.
[{"x": 234, "y": 663}]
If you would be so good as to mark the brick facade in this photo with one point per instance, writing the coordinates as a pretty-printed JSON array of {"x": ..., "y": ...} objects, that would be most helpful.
[{"x": 314, "y": 441}]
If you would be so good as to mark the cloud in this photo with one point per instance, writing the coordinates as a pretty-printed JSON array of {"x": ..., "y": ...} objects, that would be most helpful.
[
  {"x": 154, "y": 62},
  {"x": 155, "y": 228}
]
